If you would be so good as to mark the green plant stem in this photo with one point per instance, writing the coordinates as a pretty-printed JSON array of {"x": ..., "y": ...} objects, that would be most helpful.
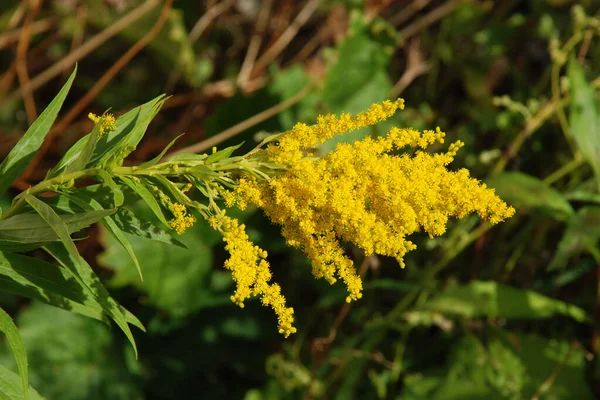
[{"x": 46, "y": 185}]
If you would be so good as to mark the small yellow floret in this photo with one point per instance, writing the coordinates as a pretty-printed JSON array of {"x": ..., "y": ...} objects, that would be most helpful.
[
  {"x": 182, "y": 219},
  {"x": 107, "y": 122}
]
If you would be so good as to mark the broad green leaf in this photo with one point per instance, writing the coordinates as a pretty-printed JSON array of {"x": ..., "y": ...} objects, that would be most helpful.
[
  {"x": 88, "y": 150},
  {"x": 7, "y": 326},
  {"x": 584, "y": 118},
  {"x": 145, "y": 195},
  {"x": 156, "y": 159},
  {"x": 222, "y": 154},
  {"x": 75, "y": 358},
  {"x": 40, "y": 280},
  {"x": 10, "y": 387},
  {"x": 20, "y": 156},
  {"x": 491, "y": 299},
  {"x": 581, "y": 235},
  {"x": 526, "y": 192},
  {"x": 109, "y": 223},
  {"x": 111, "y": 142},
  {"x": 109, "y": 305},
  {"x": 175, "y": 280},
  {"x": 33, "y": 228}
]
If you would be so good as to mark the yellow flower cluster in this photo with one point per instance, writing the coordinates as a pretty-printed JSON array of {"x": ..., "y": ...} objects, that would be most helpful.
[
  {"x": 251, "y": 272},
  {"x": 364, "y": 193},
  {"x": 302, "y": 136},
  {"x": 182, "y": 219},
  {"x": 107, "y": 122}
]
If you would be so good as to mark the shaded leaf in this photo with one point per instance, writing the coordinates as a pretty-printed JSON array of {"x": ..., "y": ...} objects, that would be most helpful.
[
  {"x": 10, "y": 387},
  {"x": 40, "y": 280},
  {"x": 156, "y": 159},
  {"x": 526, "y": 192},
  {"x": 7, "y": 326},
  {"x": 491, "y": 299},
  {"x": 33, "y": 228},
  {"x": 222, "y": 154},
  {"x": 146, "y": 196},
  {"x": 581, "y": 235},
  {"x": 584, "y": 118},
  {"x": 73, "y": 358}
]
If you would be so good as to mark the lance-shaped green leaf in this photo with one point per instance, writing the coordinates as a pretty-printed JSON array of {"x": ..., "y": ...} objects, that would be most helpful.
[
  {"x": 146, "y": 195},
  {"x": 109, "y": 143},
  {"x": 222, "y": 154},
  {"x": 88, "y": 150},
  {"x": 20, "y": 156},
  {"x": 10, "y": 387},
  {"x": 584, "y": 117},
  {"x": 37, "y": 279},
  {"x": 581, "y": 235},
  {"x": 7, "y": 326},
  {"x": 91, "y": 204},
  {"x": 71, "y": 261},
  {"x": 59, "y": 227},
  {"x": 491, "y": 299},
  {"x": 34, "y": 228},
  {"x": 526, "y": 192},
  {"x": 156, "y": 159},
  {"x": 118, "y": 196}
]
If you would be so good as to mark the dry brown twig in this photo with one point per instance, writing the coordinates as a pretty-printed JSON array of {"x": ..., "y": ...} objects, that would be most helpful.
[
  {"x": 286, "y": 37},
  {"x": 35, "y": 28},
  {"x": 242, "y": 126},
  {"x": 21, "y": 59},
  {"x": 415, "y": 67},
  {"x": 70, "y": 59},
  {"x": 254, "y": 45}
]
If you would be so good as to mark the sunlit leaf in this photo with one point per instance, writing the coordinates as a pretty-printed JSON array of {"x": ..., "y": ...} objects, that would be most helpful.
[{"x": 20, "y": 155}]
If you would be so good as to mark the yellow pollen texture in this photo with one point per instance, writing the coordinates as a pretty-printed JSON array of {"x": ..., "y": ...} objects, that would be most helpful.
[
  {"x": 251, "y": 273},
  {"x": 368, "y": 193}
]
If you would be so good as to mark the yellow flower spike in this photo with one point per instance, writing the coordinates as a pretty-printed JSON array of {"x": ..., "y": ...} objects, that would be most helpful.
[
  {"x": 182, "y": 220},
  {"x": 364, "y": 194},
  {"x": 252, "y": 274}
]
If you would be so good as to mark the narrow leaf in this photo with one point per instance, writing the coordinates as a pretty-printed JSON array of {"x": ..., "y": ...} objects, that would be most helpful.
[
  {"x": 145, "y": 195},
  {"x": 491, "y": 299},
  {"x": 20, "y": 156},
  {"x": 88, "y": 150},
  {"x": 10, "y": 387},
  {"x": 109, "y": 143},
  {"x": 526, "y": 192},
  {"x": 57, "y": 224},
  {"x": 584, "y": 118},
  {"x": 222, "y": 154},
  {"x": 34, "y": 228},
  {"x": 109, "y": 305},
  {"x": 156, "y": 159},
  {"x": 109, "y": 223},
  {"x": 116, "y": 190},
  {"x": 8, "y": 327},
  {"x": 37, "y": 279}
]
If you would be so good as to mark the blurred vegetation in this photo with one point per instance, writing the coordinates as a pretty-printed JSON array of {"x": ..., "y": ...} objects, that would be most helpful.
[{"x": 509, "y": 312}]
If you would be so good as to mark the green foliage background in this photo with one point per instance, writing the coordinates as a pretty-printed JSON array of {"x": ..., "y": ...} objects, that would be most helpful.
[{"x": 509, "y": 312}]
